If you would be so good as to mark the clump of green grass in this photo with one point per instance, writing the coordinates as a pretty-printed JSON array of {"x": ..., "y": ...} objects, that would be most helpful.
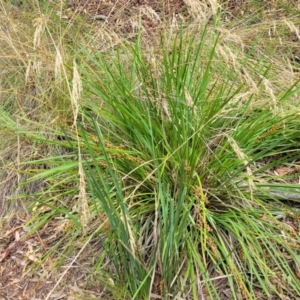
[
  {"x": 162, "y": 152},
  {"x": 177, "y": 166}
]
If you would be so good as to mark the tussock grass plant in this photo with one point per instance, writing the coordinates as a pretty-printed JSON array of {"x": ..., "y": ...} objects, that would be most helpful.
[
  {"x": 160, "y": 154},
  {"x": 177, "y": 166}
]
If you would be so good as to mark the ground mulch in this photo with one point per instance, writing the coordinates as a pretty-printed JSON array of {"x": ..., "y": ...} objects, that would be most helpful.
[
  {"x": 124, "y": 8},
  {"x": 126, "y": 16},
  {"x": 28, "y": 263}
]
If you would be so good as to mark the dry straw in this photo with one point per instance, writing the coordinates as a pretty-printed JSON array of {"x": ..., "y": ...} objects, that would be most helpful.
[{"x": 75, "y": 97}]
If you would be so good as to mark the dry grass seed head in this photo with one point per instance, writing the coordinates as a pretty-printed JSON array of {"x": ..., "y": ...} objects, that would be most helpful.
[
  {"x": 126, "y": 221},
  {"x": 76, "y": 92},
  {"x": 75, "y": 97},
  {"x": 241, "y": 155},
  {"x": 293, "y": 28},
  {"x": 83, "y": 196},
  {"x": 202, "y": 10},
  {"x": 269, "y": 90},
  {"x": 58, "y": 64},
  {"x": 150, "y": 13},
  {"x": 40, "y": 24}
]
